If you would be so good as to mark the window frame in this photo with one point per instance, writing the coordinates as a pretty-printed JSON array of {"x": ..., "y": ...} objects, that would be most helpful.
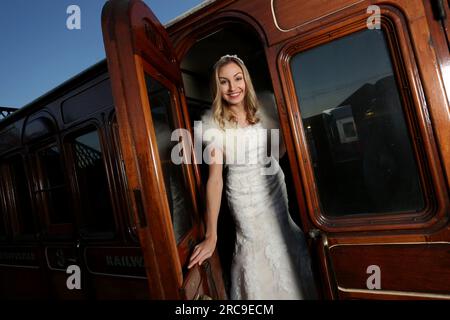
[
  {"x": 187, "y": 241},
  {"x": 88, "y": 126},
  {"x": 119, "y": 179},
  {"x": 52, "y": 230},
  {"x": 415, "y": 112},
  {"x": 12, "y": 221}
]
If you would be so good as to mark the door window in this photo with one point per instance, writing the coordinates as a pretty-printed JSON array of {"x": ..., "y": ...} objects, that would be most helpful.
[
  {"x": 178, "y": 195},
  {"x": 356, "y": 132}
]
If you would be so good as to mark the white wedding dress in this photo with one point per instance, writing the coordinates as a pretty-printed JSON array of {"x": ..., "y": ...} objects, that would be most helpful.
[{"x": 271, "y": 259}]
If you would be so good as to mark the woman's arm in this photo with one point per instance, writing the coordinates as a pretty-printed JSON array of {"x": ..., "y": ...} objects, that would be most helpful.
[{"x": 214, "y": 186}]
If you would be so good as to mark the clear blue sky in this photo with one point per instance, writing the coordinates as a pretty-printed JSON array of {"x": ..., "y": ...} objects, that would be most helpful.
[{"x": 38, "y": 52}]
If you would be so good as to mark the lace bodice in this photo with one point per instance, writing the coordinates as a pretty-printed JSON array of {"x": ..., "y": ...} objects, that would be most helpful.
[
  {"x": 270, "y": 249},
  {"x": 270, "y": 258}
]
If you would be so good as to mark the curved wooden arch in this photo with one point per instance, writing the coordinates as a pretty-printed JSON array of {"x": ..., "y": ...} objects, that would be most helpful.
[{"x": 184, "y": 41}]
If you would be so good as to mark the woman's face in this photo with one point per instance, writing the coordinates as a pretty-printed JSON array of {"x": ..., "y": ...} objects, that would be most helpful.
[{"x": 232, "y": 83}]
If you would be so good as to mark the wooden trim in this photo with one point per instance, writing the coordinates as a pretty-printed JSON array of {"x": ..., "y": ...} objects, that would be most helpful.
[
  {"x": 97, "y": 126},
  {"x": 435, "y": 210},
  {"x": 345, "y": 293},
  {"x": 52, "y": 230},
  {"x": 275, "y": 21},
  {"x": 138, "y": 149},
  {"x": 183, "y": 247},
  {"x": 183, "y": 41},
  {"x": 119, "y": 183},
  {"x": 13, "y": 225},
  {"x": 328, "y": 278},
  {"x": 396, "y": 279}
]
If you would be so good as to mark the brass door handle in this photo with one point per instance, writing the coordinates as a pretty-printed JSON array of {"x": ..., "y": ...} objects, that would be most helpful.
[{"x": 315, "y": 234}]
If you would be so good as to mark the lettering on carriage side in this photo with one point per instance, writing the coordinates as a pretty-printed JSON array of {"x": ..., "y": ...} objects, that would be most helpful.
[
  {"x": 73, "y": 21},
  {"x": 374, "y": 21},
  {"x": 17, "y": 256},
  {"x": 74, "y": 280},
  {"x": 125, "y": 261},
  {"x": 374, "y": 280}
]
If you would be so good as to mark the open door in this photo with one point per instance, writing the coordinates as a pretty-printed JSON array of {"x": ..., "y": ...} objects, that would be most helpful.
[{"x": 150, "y": 105}]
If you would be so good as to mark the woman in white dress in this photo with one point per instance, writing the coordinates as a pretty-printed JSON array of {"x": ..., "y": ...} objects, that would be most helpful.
[{"x": 270, "y": 258}]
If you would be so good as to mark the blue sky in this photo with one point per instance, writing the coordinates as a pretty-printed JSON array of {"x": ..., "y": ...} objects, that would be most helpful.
[{"x": 38, "y": 52}]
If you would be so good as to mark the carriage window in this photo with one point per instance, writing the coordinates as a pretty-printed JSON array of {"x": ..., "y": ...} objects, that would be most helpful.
[
  {"x": 95, "y": 205},
  {"x": 358, "y": 140},
  {"x": 178, "y": 194},
  {"x": 53, "y": 186},
  {"x": 21, "y": 193}
]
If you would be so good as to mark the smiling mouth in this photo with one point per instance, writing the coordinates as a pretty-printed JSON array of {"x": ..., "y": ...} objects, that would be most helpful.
[{"x": 234, "y": 95}]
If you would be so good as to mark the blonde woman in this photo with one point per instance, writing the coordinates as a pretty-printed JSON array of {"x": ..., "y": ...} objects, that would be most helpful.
[{"x": 270, "y": 258}]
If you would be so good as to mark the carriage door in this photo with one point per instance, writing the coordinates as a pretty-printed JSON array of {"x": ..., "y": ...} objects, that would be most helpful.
[
  {"x": 147, "y": 90},
  {"x": 374, "y": 184}
]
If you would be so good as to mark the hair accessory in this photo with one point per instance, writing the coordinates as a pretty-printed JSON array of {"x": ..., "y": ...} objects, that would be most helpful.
[{"x": 231, "y": 56}]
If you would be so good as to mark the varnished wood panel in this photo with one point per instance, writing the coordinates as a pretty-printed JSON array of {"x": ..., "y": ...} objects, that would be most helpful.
[
  {"x": 416, "y": 112},
  {"x": 289, "y": 14},
  {"x": 138, "y": 149},
  {"x": 414, "y": 268}
]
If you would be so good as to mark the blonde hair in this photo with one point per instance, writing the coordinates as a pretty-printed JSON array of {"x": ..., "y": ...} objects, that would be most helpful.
[{"x": 220, "y": 110}]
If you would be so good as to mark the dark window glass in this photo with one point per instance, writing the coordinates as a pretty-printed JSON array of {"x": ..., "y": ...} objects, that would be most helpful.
[
  {"x": 53, "y": 186},
  {"x": 355, "y": 127},
  {"x": 92, "y": 182},
  {"x": 178, "y": 195},
  {"x": 22, "y": 200}
]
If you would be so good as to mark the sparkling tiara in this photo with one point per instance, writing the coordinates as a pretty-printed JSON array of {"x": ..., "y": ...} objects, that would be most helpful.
[{"x": 231, "y": 56}]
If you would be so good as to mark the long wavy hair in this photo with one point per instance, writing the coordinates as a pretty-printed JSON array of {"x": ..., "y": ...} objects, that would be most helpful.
[{"x": 220, "y": 110}]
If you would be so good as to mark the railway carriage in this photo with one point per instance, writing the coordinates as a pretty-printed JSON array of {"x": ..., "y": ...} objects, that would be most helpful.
[{"x": 360, "y": 90}]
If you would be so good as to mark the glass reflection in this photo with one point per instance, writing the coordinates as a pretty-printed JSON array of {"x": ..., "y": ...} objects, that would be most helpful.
[{"x": 355, "y": 127}]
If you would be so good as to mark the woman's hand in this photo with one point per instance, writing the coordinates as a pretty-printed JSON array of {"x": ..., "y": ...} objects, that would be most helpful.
[{"x": 202, "y": 251}]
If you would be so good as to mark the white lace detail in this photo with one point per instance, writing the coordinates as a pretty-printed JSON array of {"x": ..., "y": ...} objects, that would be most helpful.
[
  {"x": 270, "y": 253},
  {"x": 267, "y": 252},
  {"x": 280, "y": 271}
]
